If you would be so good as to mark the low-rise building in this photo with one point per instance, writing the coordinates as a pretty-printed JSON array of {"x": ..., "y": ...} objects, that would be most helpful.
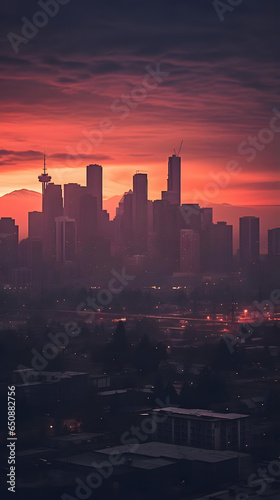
[{"x": 203, "y": 428}]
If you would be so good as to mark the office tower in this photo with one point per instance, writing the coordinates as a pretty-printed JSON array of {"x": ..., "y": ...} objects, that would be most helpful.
[
  {"x": 249, "y": 240},
  {"x": 94, "y": 183},
  {"x": 219, "y": 248},
  {"x": 88, "y": 220},
  {"x": 66, "y": 242},
  {"x": 140, "y": 213},
  {"x": 274, "y": 242},
  {"x": 35, "y": 224},
  {"x": 31, "y": 250},
  {"x": 150, "y": 216},
  {"x": 206, "y": 218},
  {"x": 167, "y": 224},
  {"x": 161, "y": 239},
  {"x": 52, "y": 208},
  {"x": 189, "y": 251},
  {"x": 173, "y": 194},
  {"x": 124, "y": 225},
  {"x": 72, "y": 196},
  {"x": 170, "y": 196},
  {"x": 8, "y": 247},
  {"x": 191, "y": 216},
  {"x": 88, "y": 234}
]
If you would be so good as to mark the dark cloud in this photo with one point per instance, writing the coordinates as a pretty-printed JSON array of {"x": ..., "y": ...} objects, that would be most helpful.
[{"x": 8, "y": 157}]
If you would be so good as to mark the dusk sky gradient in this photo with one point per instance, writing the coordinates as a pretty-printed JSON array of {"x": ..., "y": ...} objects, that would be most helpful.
[{"x": 222, "y": 85}]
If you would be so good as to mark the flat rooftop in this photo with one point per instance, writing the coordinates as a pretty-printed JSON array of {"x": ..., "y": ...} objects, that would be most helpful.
[
  {"x": 95, "y": 460},
  {"x": 200, "y": 413},
  {"x": 80, "y": 436},
  {"x": 172, "y": 451}
]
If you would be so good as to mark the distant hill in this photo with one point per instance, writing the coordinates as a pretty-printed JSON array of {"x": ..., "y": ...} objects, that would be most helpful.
[
  {"x": 269, "y": 219},
  {"x": 18, "y": 203},
  {"x": 111, "y": 204}
]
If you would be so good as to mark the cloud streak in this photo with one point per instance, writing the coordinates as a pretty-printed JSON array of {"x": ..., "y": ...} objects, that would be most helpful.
[{"x": 223, "y": 83}]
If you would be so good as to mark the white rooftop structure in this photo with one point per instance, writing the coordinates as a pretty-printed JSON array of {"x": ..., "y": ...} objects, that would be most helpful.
[{"x": 200, "y": 413}]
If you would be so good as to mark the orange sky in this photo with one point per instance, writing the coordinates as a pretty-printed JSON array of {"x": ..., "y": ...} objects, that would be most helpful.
[{"x": 218, "y": 86}]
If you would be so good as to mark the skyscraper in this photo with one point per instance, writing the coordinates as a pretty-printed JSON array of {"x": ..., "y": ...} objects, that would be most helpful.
[
  {"x": 52, "y": 208},
  {"x": 72, "y": 196},
  {"x": 140, "y": 213},
  {"x": 189, "y": 251},
  {"x": 88, "y": 236},
  {"x": 206, "y": 217},
  {"x": 123, "y": 226},
  {"x": 249, "y": 240},
  {"x": 219, "y": 247},
  {"x": 274, "y": 242},
  {"x": 174, "y": 180},
  {"x": 66, "y": 242},
  {"x": 94, "y": 183},
  {"x": 35, "y": 224},
  {"x": 8, "y": 247}
]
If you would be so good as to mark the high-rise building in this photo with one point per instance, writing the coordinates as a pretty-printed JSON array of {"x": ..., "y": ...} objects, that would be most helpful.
[
  {"x": 189, "y": 251},
  {"x": 219, "y": 247},
  {"x": 35, "y": 224},
  {"x": 8, "y": 247},
  {"x": 66, "y": 242},
  {"x": 88, "y": 237},
  {"x": 72, "y": 196},
  {"x": 94, "y": 183},
  {"x": 274, "y": 242},
  {"x": 249, "y": 240},
  {"x": 206, "y": 217},
  {"x": 140, "y": 213},
  {"x": 170, "y": 196},
  {"x": 191, "y": 216},
  {"x": 123, "y": 228},
  {"x": 168, "y": 220},
  {"x": 174, "y": 180},
  {"x": 52, "y": 208}
]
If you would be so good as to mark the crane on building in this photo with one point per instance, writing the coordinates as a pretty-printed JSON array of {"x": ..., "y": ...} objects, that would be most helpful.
[{"x": 179, "y": 151}]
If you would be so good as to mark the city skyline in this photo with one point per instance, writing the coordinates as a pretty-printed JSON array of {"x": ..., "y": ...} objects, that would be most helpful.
[
  {"x": 73, "y": 235},
  {"x": 269, "y": 217}
]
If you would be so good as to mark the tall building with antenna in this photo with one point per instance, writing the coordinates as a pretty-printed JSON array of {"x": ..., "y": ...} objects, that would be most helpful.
[
  {"x": 44, "y": 178},
  {"x": 173, "y": 193}
]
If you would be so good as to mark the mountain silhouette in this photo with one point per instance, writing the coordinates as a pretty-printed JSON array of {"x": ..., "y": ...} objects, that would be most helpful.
[{"x": 18, "y": 203}]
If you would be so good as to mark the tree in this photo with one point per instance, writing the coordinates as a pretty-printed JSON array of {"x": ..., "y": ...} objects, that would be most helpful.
[
  {"x": 147, "y": 356},
  {"x": 211, "y": 388},
  {"x": 116, "y": 353},
  {"x": 187, "y": 396}
]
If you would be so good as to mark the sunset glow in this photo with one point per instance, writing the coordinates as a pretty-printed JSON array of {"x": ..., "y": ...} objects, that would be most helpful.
[{"x": 214, "y": 93}]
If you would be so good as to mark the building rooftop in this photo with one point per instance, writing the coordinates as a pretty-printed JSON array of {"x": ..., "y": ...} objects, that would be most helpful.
[
  {"x": 96, "y": 461},
  {"x": 76, "y": 437},
  {"x": 172, "y": 451},
  {"x": 200, "y": 413}
]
